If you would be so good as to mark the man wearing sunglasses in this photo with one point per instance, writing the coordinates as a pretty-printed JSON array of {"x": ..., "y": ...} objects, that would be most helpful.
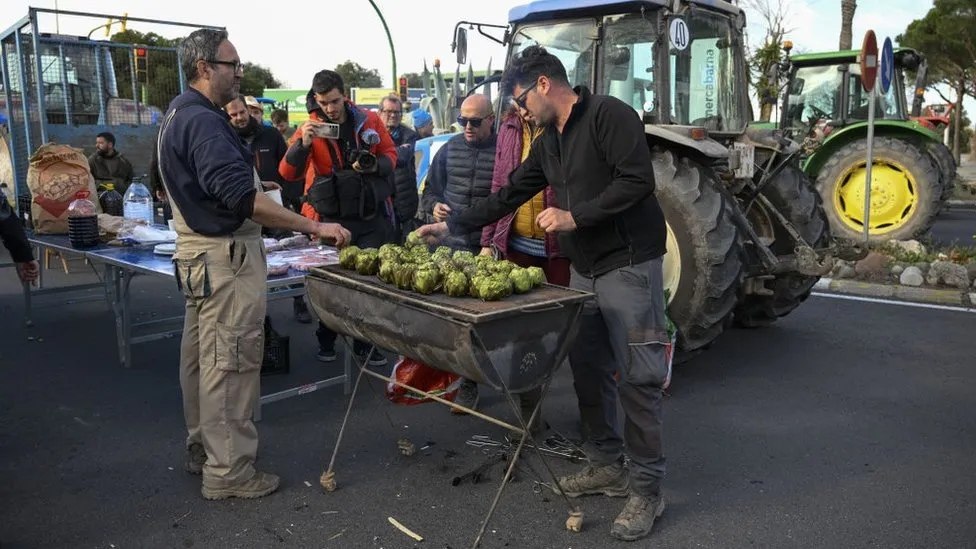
[
  {"x": 405, "y": 199},
  {"x": 594, "y": 155},
  {"x": 459, "y": 176}
]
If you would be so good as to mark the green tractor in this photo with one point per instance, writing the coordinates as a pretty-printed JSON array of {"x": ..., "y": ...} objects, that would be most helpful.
[
  {"x": 826, "y": 109},
  {"x": 747, "y": 234}
]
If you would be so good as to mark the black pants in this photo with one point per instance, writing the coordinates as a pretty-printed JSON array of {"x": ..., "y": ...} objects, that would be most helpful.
[
  {"x": 365, "y": 234},
  {"x": 623, "y": 332}
]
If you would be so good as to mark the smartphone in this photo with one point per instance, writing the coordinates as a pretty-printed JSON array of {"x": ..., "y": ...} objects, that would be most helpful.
[{"x": 327, "y": 130}]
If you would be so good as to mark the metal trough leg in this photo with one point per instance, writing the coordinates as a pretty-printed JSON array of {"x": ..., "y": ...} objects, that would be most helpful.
[{"x": 328, "y": 477}]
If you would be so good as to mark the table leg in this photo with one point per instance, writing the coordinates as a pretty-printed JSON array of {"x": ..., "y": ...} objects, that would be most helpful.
[
  {"x": 28, "y": 315},
  {"x": 125, "y": 277}
]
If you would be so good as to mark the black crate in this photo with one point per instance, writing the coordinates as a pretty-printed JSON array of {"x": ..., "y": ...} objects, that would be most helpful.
[{"x": 277, "y": 351}]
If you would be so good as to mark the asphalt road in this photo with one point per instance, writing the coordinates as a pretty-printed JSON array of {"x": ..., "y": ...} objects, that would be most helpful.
[
  {"x": 846, "y": 424},
  {"x": 956, "y": 226}
]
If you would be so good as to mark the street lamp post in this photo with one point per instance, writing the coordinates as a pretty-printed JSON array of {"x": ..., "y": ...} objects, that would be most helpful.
[{"x": 389, "y": 37}]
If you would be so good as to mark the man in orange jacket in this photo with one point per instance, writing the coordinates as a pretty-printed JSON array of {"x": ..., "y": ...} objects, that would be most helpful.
[{"x": 346, "y": 157}]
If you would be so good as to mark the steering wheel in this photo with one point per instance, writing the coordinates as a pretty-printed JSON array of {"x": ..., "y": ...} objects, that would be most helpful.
[{"x": 818, "y": 114}]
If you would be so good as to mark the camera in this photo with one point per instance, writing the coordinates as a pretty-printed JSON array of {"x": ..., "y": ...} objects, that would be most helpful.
[{"x": 366, "y": 159}]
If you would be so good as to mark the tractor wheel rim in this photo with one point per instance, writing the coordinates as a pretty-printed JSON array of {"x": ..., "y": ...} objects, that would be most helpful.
[
  {"x": 894, "y": 196},
  {"x": 672, "y": 265}
]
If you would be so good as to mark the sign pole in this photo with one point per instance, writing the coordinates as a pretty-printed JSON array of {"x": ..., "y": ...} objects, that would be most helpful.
[{"x": 867, "y": 176}]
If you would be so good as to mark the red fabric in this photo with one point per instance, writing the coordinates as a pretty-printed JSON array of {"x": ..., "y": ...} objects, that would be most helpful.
[
  {"x": 508, "y": 156},
  {"x": 418, "y": 375},
  {"x": 555, "y": 268},
  {"x": 319, "y": 158}
]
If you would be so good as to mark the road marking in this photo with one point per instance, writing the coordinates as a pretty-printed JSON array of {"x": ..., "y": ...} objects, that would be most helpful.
[{"x": 896, "y": 302}]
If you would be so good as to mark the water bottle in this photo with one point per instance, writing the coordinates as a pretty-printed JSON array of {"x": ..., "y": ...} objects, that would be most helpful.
[
  {"x": 111, "y": 200},
  {"x": 138, "y": 203}
]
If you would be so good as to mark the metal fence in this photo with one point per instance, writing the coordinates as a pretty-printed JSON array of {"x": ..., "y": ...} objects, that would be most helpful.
[{"x": 68, "y": 89}]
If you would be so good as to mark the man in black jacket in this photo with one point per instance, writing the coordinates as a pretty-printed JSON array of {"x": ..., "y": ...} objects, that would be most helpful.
[
  {"x": 405, "y": 197},
  {"x": 594, "y": 154},
  {"x": 268, "y": 147}
]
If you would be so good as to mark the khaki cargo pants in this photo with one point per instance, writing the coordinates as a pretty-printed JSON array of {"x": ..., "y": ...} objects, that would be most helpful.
[{"x": 224, "y": 281}]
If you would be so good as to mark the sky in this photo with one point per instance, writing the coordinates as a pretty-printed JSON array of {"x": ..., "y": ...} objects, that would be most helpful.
[{"x": 299, "y": 38}]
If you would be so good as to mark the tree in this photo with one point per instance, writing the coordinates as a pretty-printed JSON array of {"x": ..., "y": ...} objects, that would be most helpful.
[
  {"x": 414, "y": 80},
  {"x": 847, "y": 9},
  {"x": 355, "y": 75},
  {"x": 947, "y": 37},
  {"x": 256, "y": 78},
  {"x": 161, "y": 67},
  {"x": 764, "y": 60}
]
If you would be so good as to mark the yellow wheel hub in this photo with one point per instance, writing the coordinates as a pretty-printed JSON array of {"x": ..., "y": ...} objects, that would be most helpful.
[
  {"x": 894, "y": 196},
  {"x": 672, "y": 265}
]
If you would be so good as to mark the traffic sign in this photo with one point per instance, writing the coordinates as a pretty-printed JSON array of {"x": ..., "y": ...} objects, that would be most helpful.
[
  {"x": 869, "y": 61},
  {"x": 887, "y": 70},
  {"x": 680, "y": 35}
]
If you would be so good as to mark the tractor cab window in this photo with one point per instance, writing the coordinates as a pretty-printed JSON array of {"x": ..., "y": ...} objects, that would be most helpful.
[
  {"x": 573, "y": 42},
  {"x": 814, "y": 97},
  {"x": 628, "y": 60},
  {"x": 706, "y": 83},
  {"x": 886, "y": 106}
]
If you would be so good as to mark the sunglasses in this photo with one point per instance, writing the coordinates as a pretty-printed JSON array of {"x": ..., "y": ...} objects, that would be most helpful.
[
  {"x": 520, "y": 100},
  {"x": 475, "y": 122}
]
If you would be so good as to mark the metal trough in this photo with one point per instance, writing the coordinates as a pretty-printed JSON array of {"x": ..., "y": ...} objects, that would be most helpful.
[{"x": 514, "y": 343}]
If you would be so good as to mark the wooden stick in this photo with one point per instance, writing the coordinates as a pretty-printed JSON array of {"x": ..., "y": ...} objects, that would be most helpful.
[{"x": 404, "y": 529}]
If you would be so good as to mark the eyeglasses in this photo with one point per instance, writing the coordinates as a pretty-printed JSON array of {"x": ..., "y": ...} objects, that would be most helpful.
[
  {"x": 475, "y": 122},
  {"x": 237, "y": 65},
  {"x": 397, "y": 113},
  {"x": 520, "y": 100}
]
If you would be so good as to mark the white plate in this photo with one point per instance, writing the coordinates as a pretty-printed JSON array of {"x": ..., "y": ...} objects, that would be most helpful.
[{"x": 165, "y": 249}]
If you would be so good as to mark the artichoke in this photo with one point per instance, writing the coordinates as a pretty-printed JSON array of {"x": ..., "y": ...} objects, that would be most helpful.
[
  {"x": 387, "y": 271},
  {"x": 414, "y": 240},
  {"x": 419, "y": 254},
  {"x": 503, "y": 267},
  {"x": 463, "y": 256},
  {"x": 483, "y": 261},
  {"x": 426, "y": 281},
  {"x": 403, "y": 276},
  {"x": 367, "y": 262},
  {"x": 537, "y": 275},
  {"x": 521, "y": 280},
  {"x": 494, "y": 289},
  {"x": 347, "y": 257},
  {"x": 506, "y": 284},
  {"x": 391, "y": 252},
  {"x": 456, "y": 284},
  {"x": 475, "y": 286},
  {"x": 443, "y": 250}
]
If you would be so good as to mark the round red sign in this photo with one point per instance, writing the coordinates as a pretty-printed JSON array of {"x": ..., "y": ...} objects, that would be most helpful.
[{"x": 869, "y": 61}]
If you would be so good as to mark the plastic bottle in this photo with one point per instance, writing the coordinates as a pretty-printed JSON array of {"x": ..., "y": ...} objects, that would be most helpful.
[
  {"x": 138, "y": 203},
  {"x": 111, "y": 200}
]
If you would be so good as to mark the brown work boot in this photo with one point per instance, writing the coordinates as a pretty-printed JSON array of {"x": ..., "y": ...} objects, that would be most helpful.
[
  {"x": 610, "y": 480},
  {"x": 196, "y": 457},
  {"x": 260, "y": 485},
  {"x": 637, "y": 518}
]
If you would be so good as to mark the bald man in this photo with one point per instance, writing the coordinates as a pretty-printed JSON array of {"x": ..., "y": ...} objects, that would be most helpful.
[{"x": 459, "y": 176}]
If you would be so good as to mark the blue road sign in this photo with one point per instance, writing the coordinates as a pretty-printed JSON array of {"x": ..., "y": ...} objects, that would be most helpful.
[{"x": 887, "y": 65}]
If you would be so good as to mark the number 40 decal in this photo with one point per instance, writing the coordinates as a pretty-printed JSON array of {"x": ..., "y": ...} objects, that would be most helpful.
[{"x": 680, "y": 35}]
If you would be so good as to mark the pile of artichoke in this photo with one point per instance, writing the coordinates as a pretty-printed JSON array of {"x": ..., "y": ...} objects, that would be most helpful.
[{"x": 458, "y": 274}]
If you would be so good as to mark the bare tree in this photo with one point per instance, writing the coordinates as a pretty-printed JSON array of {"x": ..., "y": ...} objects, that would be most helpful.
[
  {"x": 847, "y": 9},
  {"x": 765, "y": 58}
]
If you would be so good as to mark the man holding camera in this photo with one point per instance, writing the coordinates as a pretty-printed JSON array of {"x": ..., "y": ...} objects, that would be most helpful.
[{"x": 347, "y": 158}]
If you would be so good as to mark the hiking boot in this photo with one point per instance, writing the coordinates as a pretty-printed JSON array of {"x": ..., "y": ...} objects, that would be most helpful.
[
  {"x": 196, "y": 457},
  {"x": 375, "y": 359},
  {"x": 610, "y": 480},
  {"x": 326, "y": 354},
  {"x": 260, "y": 485},
  {"x": 301, "y": 311},
  {"x": 467, "y": 396},
  {"x": 637, "y": 518}
]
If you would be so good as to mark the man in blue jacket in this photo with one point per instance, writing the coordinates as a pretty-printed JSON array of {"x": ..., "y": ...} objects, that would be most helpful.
[{"x": 208, "y": 174}]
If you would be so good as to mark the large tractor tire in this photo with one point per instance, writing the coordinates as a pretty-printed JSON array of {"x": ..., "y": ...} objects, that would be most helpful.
[
  {"x": 906, "y": 192},
  {"x": 703, "y": 264},
  {"x": 794, "y": 196},
  {"x": 947, "y": 166}
]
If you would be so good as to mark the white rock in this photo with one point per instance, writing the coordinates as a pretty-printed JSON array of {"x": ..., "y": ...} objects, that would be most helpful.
[
  {"x": 897, "y": 269},
  {"x": 911, "y": 276},
  {"x": 949, "y": 274},
  {"x": 911, "y": 246},
  {"x": 845, "y": 271}
]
